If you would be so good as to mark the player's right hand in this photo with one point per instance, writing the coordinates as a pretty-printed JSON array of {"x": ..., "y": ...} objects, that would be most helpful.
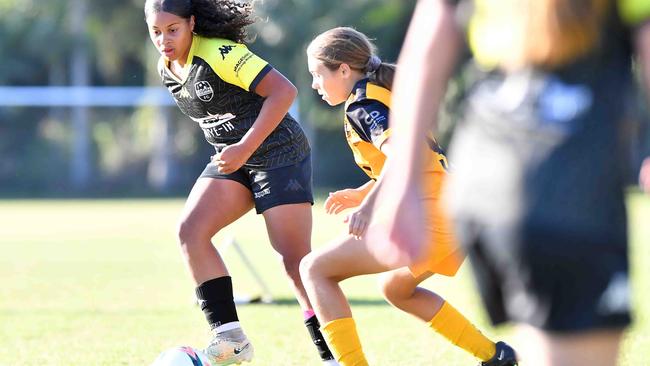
[{"x": 343, "y": 199}]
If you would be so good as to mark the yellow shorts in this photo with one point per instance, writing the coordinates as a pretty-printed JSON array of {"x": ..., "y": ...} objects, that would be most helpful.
[{"x": 442, "y": 254}]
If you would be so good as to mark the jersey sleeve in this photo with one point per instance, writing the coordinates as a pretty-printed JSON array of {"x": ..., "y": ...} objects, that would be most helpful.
[
  {"x": 369, "y": 118},
  {"x": 237, "y": 65},
  {"x": 634, "y": 12}
]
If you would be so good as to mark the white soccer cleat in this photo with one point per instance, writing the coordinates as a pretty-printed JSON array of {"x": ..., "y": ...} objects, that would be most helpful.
[{"x": 230, "y": 347}]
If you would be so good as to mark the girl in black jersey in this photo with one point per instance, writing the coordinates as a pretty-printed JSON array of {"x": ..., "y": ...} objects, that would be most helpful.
[
  {"x": 537, "y": 193},
  {"x": 262, "y": 156}
]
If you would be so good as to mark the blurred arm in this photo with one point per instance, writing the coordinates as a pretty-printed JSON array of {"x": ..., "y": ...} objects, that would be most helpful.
[
  {"x": 643, "y": 52},
  {"x": 425, "y": 65}
]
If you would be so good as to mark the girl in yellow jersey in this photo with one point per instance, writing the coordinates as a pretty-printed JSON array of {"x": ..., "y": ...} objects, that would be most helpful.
[{"x": 345, "y": 69}]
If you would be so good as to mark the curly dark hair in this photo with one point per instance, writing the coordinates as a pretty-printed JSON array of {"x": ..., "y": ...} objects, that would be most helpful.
[{"x": 213, "y": 18}]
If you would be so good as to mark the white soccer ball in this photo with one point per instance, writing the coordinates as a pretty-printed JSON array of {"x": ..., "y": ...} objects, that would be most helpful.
[{"x": 182, "y": 356}]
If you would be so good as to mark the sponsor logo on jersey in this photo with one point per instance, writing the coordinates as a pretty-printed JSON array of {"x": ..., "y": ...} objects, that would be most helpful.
[
  {"x": 374, "y": 117},
  {"x": 214, "y": 120},
  {"x": 204, "y": 90},
  {"x": 242, "y": 61},
  {"x": 216, "y": 125},
  {"x": 223, "y": 50}
]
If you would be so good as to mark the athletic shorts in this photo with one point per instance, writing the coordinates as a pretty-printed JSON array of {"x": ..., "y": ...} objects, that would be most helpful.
[
  {"x": 550, "y": 281},
  {"x": 274, "y": 187},
  {"x": 443, "y": 255}
]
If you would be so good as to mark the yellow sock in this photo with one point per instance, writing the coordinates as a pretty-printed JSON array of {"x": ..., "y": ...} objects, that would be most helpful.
[
  {"x": 341, "y": 335},
  {"x": 452, "y": 325}
]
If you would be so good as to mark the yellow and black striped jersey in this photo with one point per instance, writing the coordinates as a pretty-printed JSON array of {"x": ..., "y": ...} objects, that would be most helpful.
[
  {"x": 218, "y": 94},
  {"x": 366, "y": 129}
]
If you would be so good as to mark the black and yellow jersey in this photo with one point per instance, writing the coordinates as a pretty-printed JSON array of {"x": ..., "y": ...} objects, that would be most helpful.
[
  {"x": 490, "y": 33},
  {"x": 549, "y": 144},
  {"x": 366, "y": 129},
  {"x": 218, "y": 94}
]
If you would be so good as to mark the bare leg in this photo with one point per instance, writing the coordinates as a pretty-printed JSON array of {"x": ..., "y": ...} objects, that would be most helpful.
[
  {"x": 401, "y": 289},
  {"x": 322, "y": 271},
  {"x": 211, "y": 206},
  {"x": 289, "y": 228},
  {"x": 594, "y": 348}
]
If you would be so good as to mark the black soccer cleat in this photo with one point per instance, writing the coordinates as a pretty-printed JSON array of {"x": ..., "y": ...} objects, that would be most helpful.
[{"x": 504, "y": 356}]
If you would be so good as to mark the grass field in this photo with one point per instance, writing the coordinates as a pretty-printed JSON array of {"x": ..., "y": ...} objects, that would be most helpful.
[{"x": 102, "y": 283}]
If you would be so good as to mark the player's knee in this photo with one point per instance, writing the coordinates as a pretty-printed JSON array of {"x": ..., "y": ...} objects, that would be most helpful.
[
  {"x": 190, "y": 235},
  {"x": 309, "y": 267},
  {"x": 292, "y": 265},
  {"x": 390, "y": 288}
]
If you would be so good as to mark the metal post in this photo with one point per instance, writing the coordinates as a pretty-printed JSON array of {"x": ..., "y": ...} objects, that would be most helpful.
[{"x": 267, "y": 297}]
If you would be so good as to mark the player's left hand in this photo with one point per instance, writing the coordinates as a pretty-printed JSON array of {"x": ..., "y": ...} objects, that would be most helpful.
[
  {"x": 231, "y": 158},
  {"x": 358, "y": 221}
]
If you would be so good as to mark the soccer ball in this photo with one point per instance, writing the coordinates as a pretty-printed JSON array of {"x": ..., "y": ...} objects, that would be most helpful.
[{"x": 182, "y": 356}]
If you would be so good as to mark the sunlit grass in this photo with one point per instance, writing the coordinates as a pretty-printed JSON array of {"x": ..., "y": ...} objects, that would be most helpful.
[{"x": 102, "y": 283}]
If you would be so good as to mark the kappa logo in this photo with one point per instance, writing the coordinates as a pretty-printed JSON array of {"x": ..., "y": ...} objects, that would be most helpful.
[
  {"x": 204, "y": 90},
  {"x": 223, "y": 50},
  {"x": 293, "y": 185},
  {"x": 184, "y": 93}
]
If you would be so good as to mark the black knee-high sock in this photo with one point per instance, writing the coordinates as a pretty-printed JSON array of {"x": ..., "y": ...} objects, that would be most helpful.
[
  {"x": 313, "y": 326},
  {"x": 217, "y": 302}
]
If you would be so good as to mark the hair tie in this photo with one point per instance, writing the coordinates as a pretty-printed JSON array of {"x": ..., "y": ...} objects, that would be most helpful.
[{"x": 373, "y": 64}]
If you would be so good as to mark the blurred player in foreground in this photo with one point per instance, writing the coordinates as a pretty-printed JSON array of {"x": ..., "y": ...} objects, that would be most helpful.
[{"x": 537, "y": 189}]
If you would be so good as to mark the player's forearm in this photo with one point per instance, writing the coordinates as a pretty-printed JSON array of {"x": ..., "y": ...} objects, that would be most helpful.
[
  {"x": 366, "y": 187},
  {"x": 275, "y": 107},
  {"x": 643, "y": 52},
  {"x": 372, "y": 193},
  {"x": 431, "y": 47}
]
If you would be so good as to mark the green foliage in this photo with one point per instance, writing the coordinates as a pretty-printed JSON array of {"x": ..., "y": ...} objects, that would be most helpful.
[{"x": 38, "y": 43}]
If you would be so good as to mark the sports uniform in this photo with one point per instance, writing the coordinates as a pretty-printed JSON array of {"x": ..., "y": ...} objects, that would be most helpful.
[
  {"x": 366, "y": 129},
  {"x": 218, "y": 94},
  {"x": 537, "y": 190}
]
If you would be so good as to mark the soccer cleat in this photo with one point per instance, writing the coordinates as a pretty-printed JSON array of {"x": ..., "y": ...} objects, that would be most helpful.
[
  {"x": 504, "y": 356},
  {"x": 229, "y": 347}
]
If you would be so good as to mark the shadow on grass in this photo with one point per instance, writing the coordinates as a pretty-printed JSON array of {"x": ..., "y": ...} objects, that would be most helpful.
[{"x": 284, "y": 301}]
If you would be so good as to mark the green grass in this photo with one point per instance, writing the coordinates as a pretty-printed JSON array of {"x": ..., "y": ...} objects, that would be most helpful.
[{"x": 102, "y": 283}]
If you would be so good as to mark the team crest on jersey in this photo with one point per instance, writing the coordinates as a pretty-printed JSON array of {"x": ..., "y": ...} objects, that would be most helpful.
[{"x": 204, "y": 90}]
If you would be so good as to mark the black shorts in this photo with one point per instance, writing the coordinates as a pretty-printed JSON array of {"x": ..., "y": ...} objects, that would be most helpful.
[
  {"x": 272, "y": 187},
  {"x": 553, "y": 282}
]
